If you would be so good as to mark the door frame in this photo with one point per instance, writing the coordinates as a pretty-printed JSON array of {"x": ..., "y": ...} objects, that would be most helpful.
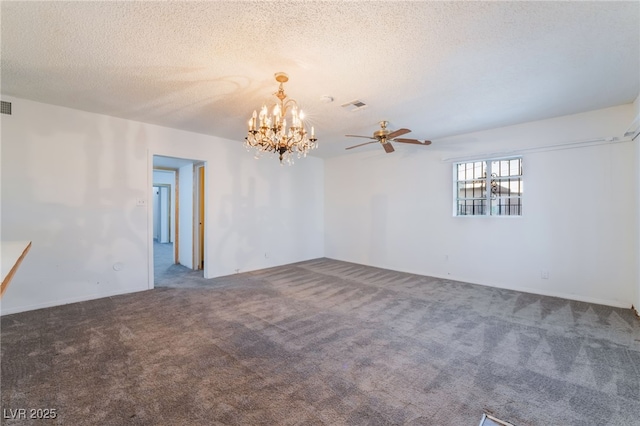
[
  {"x": 145, "y": 202},
  {"x": 199, "y": 215}
]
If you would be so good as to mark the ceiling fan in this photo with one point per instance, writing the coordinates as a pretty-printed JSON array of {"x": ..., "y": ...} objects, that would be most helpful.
[{"x": 385, "y": 137}]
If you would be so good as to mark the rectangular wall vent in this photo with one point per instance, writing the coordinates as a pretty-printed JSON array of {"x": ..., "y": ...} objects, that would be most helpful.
[
  {"x": 354, "y": 105},
  {"x": 5, "y": 107}
]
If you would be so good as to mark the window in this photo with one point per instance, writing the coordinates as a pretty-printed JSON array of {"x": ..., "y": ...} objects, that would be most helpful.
[{"x": 489, "y": 187}]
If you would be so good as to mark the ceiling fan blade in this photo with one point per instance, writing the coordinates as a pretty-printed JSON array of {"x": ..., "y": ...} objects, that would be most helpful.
[
  {"x": 358, "y": 136},
  {"x": 414, "y": 141},
  {"x": 362, "y": 144},
  {"x": 398, "y": 132},
  {"x": 388, "y": 147}
]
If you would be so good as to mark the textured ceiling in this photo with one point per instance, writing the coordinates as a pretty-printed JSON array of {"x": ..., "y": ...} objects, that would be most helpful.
[{"x": 438, "y": 68}]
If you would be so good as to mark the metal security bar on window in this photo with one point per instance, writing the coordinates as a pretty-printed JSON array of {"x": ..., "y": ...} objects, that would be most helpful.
[{"x": 489, "y": 187}]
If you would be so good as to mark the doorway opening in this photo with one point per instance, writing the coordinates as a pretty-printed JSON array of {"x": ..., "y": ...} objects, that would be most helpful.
[{"x": 178, "y": 229}]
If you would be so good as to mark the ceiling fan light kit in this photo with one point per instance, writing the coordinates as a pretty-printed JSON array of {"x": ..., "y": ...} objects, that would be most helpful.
[
  {"x": 385, "y": 137},
  {"x": 269, "y": 132}
]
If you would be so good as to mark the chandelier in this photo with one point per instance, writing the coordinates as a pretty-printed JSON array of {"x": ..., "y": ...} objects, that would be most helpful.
[{"x": 271, "y": 133}]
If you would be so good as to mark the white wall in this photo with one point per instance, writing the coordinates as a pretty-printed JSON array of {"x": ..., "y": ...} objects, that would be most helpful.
[
  {"x": 163, "y": 207},
  {"x": 185, "y": 218},
  {"x": 580, "y": 224},
  {"x": 72, "y": 181}
]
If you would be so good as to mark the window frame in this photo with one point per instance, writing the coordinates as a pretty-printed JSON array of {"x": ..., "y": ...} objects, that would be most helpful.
[{"x": 487, "y": 196}]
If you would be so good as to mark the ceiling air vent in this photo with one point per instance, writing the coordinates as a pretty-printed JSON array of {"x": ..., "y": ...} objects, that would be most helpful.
[
  {"x": 5, "y": 107},
  {"x": 354, "y": 105}
]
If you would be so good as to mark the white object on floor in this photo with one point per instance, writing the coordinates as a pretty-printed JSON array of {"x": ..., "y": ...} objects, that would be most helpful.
[{"x": 488, "y": 420}]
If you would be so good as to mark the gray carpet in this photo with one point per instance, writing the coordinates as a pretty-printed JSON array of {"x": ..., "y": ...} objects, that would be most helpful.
[
  {"x": 163, "y": 259},
  {"x": 170, "y": 274},
  {"x": 323, "y": 342}
]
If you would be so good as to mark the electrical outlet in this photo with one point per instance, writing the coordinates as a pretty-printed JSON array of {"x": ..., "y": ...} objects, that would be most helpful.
[
  {"x": 544, "y": 274},
  {"x": 141, "y": 202}
]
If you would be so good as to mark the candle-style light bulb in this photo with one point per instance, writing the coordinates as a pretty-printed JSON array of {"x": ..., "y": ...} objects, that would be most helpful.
[
  {"x": 276, "y": 115},
  {"x": 263, "y": 115},
  {"x": 252, "y": 121}
]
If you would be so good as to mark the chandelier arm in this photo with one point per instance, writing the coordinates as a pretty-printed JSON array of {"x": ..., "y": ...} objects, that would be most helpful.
[{"x": 284, "y": 106}]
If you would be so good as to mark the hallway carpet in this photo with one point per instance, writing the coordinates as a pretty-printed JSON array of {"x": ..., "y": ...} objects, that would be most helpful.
[{"x": 323, "y": 342}]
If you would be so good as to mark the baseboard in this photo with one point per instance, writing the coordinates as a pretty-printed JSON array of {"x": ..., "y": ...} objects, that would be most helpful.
[
  {"x": 53, "y": 303},
  {"x": 567, "y": 296},
  {"x": 558, "y": 294}
]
